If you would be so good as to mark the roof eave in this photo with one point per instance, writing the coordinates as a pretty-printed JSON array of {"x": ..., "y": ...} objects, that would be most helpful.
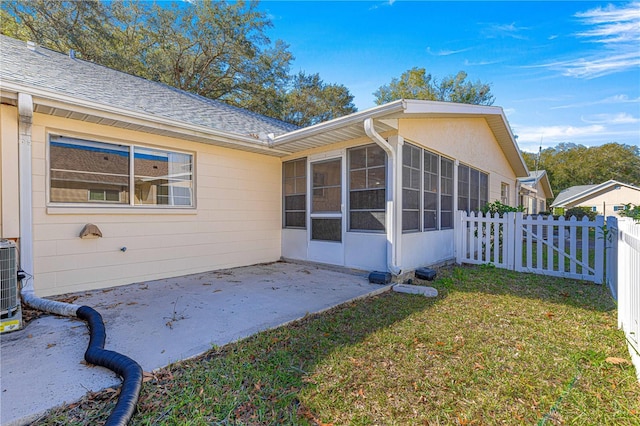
[
  {"x": 577, "y": 197},
  {"x": 336, "y": 123},
  {"x": 204, "y": 134}
]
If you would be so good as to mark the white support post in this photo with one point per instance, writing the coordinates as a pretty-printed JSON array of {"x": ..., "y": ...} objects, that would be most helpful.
[
  {"x": 515, "y": 237},
  {"x": 600, "y": 252}
]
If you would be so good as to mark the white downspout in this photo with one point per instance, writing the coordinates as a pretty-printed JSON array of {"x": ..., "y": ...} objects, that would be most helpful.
[
  {"x": 392, "y": 229},
  {"x": 25, "y": 120}
]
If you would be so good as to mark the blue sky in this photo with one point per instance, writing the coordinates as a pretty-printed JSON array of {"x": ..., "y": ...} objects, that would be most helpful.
[{"x": 562, "y": 71}]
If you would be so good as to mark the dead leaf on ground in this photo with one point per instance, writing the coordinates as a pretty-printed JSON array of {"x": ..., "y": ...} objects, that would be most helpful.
[
  {"x": 617, "y": 361},
  {"x": 550, "y": 315}
]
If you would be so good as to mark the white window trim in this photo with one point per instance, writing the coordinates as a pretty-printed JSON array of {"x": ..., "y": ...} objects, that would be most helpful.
[{"x": 98, "y": 208}]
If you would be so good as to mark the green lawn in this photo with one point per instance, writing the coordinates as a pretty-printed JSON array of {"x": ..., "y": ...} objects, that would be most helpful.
[{"x": 496, "y": 347}]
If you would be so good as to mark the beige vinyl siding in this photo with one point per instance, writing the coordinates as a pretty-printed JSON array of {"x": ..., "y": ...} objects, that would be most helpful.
[
  {"x": 236, "y": 220},
  {"x": 9, "y": 195},
  {"x": 609, "y": 198},
  {"x": 468, "y": 140}
]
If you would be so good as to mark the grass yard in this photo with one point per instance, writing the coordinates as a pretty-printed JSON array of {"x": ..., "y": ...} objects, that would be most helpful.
[{"x": 495, "y": 347}]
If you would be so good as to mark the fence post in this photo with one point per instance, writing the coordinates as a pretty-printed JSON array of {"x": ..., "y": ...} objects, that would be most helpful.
[
  {"x": 599, "y": 258},
  {"x": 510, "y": 240},
  {"x": 458, "y": 230},
  {"x": 611, "y": 256}
]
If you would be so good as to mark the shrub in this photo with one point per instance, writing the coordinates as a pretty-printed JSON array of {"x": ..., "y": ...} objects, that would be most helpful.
[
  {"x": 631, "y": 211},
  {"x": 580, "y": 212},
  {"x": 501, "y": 209}
]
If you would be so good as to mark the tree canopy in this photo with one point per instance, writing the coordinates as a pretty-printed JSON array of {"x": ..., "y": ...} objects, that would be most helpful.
[
  {"x": 570, "y": 164},
  {"x": 417, "y": 84},
  {"x": 311, "y": 101},
  {"x": 215, "y": 49}
]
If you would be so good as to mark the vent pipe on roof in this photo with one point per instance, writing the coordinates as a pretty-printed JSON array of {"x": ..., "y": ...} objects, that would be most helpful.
[
  {"x": 31, "y": 45},
  {"x": 72, "y": 53}
]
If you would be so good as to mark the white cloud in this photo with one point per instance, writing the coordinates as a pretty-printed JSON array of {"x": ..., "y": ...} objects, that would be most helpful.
[
  {"x": 505, "y": 30},
  {"x": 611, "y": 24},
  {"x": 598, "y": 66},
  {"x": 447, "y": 52},
  {"x": 617, "y": 99},
  {"x": 552, "y": 135},
  {"x": 612, "y": 119},
  {"x": 384, "y": 3},
  {"x": 480, "y": 63},
  {"x": 616, "y": 29}
]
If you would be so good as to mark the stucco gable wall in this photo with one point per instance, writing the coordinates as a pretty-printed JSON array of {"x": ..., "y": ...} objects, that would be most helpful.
[
  {"x": 237, "y": 220},
  {"x": 468, "y": 140},
  {"x": 609, "y": 198}
]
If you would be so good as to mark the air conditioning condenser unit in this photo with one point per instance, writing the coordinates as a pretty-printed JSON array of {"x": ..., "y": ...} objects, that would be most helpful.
[{"x": 10, "y": 312}]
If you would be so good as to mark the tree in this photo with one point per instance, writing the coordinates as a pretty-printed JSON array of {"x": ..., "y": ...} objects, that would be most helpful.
[
  {"x": 569, "y": 164},
  {"x": 216, "y": 49},
  {"x": 311, "y": 101},
  {"x": 417, "y": 84}
]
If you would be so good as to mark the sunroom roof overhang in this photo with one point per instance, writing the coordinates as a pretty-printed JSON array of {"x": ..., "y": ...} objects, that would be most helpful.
[{"x": 386, "y": 117}]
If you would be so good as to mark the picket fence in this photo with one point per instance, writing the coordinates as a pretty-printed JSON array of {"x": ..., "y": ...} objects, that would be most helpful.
[
  {"x": 569, "y": 248},
  {"x": 623, "y": 279},
  {"x": 594, "y": 250}
]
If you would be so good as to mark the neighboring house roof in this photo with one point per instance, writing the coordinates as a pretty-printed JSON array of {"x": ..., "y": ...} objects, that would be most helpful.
[
  {"x": 578, "y": 193},
  {"x": 535, "y": 177},
  {"x": 71, "y": 80}
]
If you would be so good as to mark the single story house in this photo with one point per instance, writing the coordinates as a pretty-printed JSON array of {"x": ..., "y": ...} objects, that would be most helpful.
[
  {"x": 607, "y": 198},
  {"x": 534, "y": 191},
  {"x": 110, "y": 179}
]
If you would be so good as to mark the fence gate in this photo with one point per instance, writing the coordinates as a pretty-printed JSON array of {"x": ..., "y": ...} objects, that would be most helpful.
[{"x": 569, "y": 248}]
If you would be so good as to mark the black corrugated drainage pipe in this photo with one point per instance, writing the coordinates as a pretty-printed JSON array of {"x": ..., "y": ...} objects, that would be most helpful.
[
  {"x": 128, "y": 369},
  {"x": 125, "y": 367}
]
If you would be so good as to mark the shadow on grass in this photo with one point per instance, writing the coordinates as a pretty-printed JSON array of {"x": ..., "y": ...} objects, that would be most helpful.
[
  {"x": 264, "y": 379},
  {"x": 491, "y": 280}
]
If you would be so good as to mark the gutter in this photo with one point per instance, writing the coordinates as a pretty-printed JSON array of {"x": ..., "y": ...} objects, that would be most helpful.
[
  {"x": 337, "y": 123},
  {"x": 392, "y": 225},
  {"x": 53, "y": 100},
  {"x": 128, "y": 369}
]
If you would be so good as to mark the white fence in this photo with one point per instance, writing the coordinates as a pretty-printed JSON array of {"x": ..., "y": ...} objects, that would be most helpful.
[
  {"x": 623, "y": 278},
  {"x": 569, "y": 248}
]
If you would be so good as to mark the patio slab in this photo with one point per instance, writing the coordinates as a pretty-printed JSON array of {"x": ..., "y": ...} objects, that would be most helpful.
[{"x": 160, "y": 322}]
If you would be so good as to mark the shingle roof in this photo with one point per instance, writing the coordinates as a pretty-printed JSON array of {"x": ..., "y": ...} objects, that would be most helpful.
[
  {"x": 584, "y": 191},
  {"x": 533, "y": 177},
  {"x": 571, "y": 192},
  {"x": 57, "y": 72}
]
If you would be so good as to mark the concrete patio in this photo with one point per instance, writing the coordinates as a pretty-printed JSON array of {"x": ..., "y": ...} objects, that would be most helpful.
[{"x": 160, "y": 322}]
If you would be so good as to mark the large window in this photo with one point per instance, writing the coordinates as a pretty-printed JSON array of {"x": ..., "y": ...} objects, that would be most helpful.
[
  {"x": 84, "y": 171},
  {"x": 446, "y": 193},
  {"x": 295, "y": 193},
  {"x": 473, "y": 189},
  {"x": 367, "y": 189},
  {"x": 411, "y": 166},
  {"x": 431, "y": 175}
]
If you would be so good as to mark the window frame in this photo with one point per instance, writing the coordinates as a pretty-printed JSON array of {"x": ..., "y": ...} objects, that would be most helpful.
[
  {"x": 504, "y": 193},
  {"x": 439, "y": 195},
  {"x": 411, "y": 168},
  {"x": 305, "y": 188},
  {"x": 482, "y": 191},
  {"x": 130, "y": 148},
  {"x": 351, "y": 190}
]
